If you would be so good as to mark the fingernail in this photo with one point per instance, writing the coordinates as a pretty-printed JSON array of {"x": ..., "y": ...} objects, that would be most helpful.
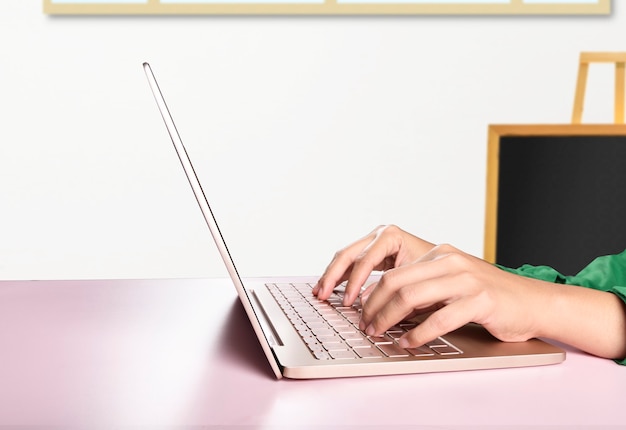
[
  {"x": 362, "y": 325},
  {"x": 370, "y": 330},
  {"x": 403, "y": 343},
  {"x": 346, "y": 300}
]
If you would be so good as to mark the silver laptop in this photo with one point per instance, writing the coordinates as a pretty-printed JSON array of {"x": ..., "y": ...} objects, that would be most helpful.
[{"x": 303, "y": 337}]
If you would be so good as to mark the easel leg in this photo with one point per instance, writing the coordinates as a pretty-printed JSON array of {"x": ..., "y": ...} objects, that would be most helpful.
[
  {"x": 579, "y": 99},
  {"x": 620, "y": 88}
]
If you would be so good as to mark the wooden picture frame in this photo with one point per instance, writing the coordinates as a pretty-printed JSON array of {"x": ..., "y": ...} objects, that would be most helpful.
[{"x": 326, "y": 7}]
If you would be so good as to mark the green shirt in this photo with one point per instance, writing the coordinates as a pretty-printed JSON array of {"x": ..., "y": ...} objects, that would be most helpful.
[{"x": 606, "y": 273}]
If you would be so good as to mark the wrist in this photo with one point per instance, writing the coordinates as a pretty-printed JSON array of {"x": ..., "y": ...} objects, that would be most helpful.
[{"x": 591, "y": 320}]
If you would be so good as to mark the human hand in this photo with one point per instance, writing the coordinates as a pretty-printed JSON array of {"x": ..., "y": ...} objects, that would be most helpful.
[
  {"x": 384, "y": 248},
  {"x": 459, "y": 288},
  {"x": 462, "y": 289}
]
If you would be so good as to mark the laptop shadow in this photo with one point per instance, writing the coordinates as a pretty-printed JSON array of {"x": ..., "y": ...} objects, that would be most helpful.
[{"x": 239, "y": 344}]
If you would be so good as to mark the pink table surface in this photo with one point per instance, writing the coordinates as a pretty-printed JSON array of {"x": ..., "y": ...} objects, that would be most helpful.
[{"x": 180, "y": 353}]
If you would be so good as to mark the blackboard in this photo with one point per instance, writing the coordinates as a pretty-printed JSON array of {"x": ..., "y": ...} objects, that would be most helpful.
[{"x": 556, "y": 195}]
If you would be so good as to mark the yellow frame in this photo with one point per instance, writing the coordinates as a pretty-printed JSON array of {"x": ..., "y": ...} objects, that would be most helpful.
[
  {"x": 586, "y": 58},
  {"x": 328, "y": 7},
  {"x": 495, "y": 133}
]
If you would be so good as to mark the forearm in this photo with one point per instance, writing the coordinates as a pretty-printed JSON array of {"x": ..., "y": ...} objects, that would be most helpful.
[{"x": 593, "y": 321}]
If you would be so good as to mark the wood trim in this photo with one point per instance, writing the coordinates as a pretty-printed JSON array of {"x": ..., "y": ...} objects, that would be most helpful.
[
  {"x": 579, "y": 98},
  {"x": 619, "y": 58},
  {"x": 603, "y": 57},
  {"x": 491, "y": 200},
  {"x": 327, "y": 7},
  {"x": 620, "y": 91},
  {"x": 495, "y": 133}
]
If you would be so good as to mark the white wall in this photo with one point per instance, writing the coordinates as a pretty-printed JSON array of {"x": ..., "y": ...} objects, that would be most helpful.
[{"x": 347, "y": 122}]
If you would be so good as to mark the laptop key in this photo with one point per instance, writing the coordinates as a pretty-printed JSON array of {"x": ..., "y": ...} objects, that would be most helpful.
[
  {"x": 421, "y": 351},
  {"x": 321, "y": 355},
  {"x": 369, "y": 352},
  {"x": 329, "y": 339},
  {"x": 395, "y": 334},
  {"x": 344, "y": 354},
  {"x": 356, "y": 343},
  {"x": 437, "y": 342},
  {"x": 351, "y": 335},
  {"x": 445, "y": 350},
  {"x": 335, "y": 346},
  {"x": 381, "y": 339},
  {"x": 393, "y": 350}
]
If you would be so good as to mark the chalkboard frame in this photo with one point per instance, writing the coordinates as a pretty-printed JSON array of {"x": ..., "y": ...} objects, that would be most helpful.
[{"x": 498, "y": 133}]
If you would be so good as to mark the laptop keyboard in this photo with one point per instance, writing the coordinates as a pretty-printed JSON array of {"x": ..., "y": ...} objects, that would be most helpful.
[{"x": 331, "y": 330}]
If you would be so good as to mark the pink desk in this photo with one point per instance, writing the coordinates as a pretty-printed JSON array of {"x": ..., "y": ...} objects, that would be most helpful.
[{"x": 180, "y": 354}]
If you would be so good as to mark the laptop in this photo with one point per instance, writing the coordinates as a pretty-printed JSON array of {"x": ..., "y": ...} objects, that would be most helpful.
[{"x": 306, "y": 338}]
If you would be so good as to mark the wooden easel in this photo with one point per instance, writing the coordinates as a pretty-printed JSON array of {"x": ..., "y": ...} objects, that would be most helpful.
[{"x": 619, "y": 58}]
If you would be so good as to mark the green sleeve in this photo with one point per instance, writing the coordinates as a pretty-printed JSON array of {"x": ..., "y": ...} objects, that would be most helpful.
[{"x": 606, "y": 273}]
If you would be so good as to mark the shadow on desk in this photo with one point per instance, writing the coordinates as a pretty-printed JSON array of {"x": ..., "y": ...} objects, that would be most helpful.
[{"x": 239, "y": 343}]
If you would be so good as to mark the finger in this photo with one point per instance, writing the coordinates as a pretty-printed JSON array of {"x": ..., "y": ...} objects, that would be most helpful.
[
  {"x": 406, "y": 301},
  {"x": 340, "y": 267},
  {"x": 402, "y": 290},
  {"x": 365, "y": 292},
  {"x": 378, "y": 255},
  {"x": 327, "y": 283},
  {"x": 441, "y": 322}
]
